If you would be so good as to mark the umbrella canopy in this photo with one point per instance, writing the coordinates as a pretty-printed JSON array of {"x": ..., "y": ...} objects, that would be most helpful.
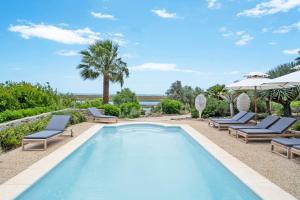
[
  {"x": 288, "y": 80},
  {"x": 254, "y": 81}
]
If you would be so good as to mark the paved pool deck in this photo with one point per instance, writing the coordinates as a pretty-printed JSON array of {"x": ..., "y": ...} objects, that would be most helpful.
[{"x": 281, "y": 171}]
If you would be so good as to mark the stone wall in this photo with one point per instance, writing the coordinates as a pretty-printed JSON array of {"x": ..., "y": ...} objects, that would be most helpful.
[{"x": 18, "y": 122}]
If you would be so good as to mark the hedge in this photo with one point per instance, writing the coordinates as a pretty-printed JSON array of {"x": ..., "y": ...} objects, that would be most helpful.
[
  {"x": 130, "y": 109},
  {"x": 18, "y": 114},
  {"x": 111, "y": 110},
  {"x": 170, "y": 106}
]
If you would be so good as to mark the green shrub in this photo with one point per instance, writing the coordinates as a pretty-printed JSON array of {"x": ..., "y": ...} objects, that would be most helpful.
[
  {"x": 170, "y": 106},
  {"x": 215, "y": 108},
  {"x": 276, "y": 108},
  {"x": 18, "y": 114},
  {"x": 130, "y": 109},
  {"x": 194, "y": 113},
  {"x": 297, "y": 126},
  {"x": 295, "y": 105},
  {"x": 124, "y": 96},
  {"x": 76, "y": 116},
  {"x": 111, "y": 110},
  {"x": 23, "y": 95}
]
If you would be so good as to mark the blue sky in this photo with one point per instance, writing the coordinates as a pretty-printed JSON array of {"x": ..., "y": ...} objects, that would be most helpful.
[{"x": 198, "y": 42}]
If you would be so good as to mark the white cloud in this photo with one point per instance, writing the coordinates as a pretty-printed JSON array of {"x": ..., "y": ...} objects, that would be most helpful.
[
  {"x": 244, "y": 39},
  {"x": 118, "y": 34},
  {"x": 272, "y": 43},
  {"x": 286, "y": 29},
  {"x": 270, "y": 7},
  {"x": 241, "y": 37},
  {"x": 264, "y": 30},
  {"x": 102, "y": 15},
  {"x": 67, "y": 53},
  {"x": 55, "y": 33},
  {"x": 213, "y": 4},
  {"x": 235, "y": 72},
  {"x": 291, "y": 51},
  {"x": 164, "y": 67},
  {"x": 163, "y": 13}
]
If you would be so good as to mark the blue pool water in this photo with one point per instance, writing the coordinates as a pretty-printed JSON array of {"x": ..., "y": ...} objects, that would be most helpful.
[{"x": 140, "y": 162}]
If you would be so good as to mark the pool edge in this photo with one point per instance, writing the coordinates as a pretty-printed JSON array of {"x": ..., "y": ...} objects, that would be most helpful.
[{"x": 256, "y": 182}]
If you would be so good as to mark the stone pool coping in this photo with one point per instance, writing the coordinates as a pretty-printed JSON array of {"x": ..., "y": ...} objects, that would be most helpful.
[{"x": 256, "y": 182}]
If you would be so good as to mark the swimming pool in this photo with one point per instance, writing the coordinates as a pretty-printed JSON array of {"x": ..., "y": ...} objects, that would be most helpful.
[{"x": 140, "y": 162}]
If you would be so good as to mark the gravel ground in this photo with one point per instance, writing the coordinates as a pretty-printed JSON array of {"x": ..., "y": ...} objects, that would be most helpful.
[{"x": 257, "y": 155}]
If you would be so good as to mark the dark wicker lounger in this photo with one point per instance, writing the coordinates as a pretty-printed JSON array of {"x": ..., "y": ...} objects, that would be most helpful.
[
  {"x": 100, "y": 117},
  {"x": 278, "y": 129},
  {"x": 223, "y": 125},
  {"x": 284, "y": 144},
  {"x": 55, "y": 127},
  {"x": 235, "y": 118},
  {"x": 295, "y": 150},
  {"x": 265, "y": 123}
]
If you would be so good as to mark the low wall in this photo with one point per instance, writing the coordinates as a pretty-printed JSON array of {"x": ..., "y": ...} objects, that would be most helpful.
[{"x": 18, "y": 122}]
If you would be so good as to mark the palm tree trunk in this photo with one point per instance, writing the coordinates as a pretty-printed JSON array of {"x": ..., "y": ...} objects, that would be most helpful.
[
  {"x": 287, "y": 109},
  {"x": 105, "y": 89},
  {"x": 268, "y": 106},
  {"x": 231, "y": 109}
]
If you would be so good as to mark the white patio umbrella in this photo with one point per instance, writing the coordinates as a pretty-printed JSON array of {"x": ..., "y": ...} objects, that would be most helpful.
[
  {"x": 253, "y": 81},
  {"x": 288, "y": 80}
]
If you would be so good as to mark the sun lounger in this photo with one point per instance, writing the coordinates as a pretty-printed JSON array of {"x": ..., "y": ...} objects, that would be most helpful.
[
  {"x": 265, "y": 123},
  {"x": 282, "y": 146},
  {"x": 100, "y": 117},
  {"x": 235, "y": 118},
  {"x": 295, "y": 150},
  {"x": 55, "y": 127},
  {"x": 278, "y": 129},
  {"x": 223, "y": 125}
]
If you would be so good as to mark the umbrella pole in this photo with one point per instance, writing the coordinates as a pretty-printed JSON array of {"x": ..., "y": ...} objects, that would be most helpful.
[{"x": 255, "y": 103}]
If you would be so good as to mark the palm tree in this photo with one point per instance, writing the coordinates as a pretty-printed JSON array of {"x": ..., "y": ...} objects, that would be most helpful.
[
  {"x": 283, "y": 96},
  {"x": 101, "y": 60}
]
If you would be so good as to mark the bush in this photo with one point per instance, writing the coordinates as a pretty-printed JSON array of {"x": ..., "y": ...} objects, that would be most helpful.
[
  {"x": 18, "y": 114},
  {"x": 295, "y": 105},
  {"x": 89, "y": 103},
  {"x": 124, "y": 96},
  {"x": 130, "y": 109},
  {"x": 297, "y": 126},
  {"x": 276, "y": 108},
  {"x": 215, "y": 108},
  {"x": 76, "y": 116},
  {"x": 170, "y": 106},
  {"x": 15, "y": 96},
  {"x": 194, "y": 113},
  {"x": 111, "y": 110}
]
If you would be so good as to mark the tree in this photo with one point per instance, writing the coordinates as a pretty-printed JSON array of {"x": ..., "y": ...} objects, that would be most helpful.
[
  {"x": 215, "y": 91},
  {"x": 175, "y": 91},
  {"x": 125, "y": 96},
  {"x": 230, "y": 97},
  {"x": 185, "y": 94},
  {"x": 283, "y": 96},
  {"x": 101, "y": 60}
]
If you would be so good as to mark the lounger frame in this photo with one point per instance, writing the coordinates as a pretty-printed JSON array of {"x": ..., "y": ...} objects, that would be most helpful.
[
  {"x": 43, "y": 141},
  {"x": 105, "y": 119},
  {"x": 294, "y": 152},
  {"x": 245, "y": 137},
  {"x": 277, "y": 146}
]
